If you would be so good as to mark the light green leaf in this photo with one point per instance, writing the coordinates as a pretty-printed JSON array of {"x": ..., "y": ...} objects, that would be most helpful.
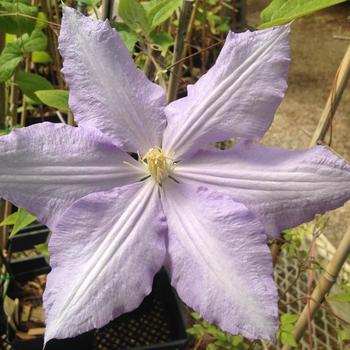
[
  {"x": 236, "y": 340},
  {"x": 29, "y": 83},
  {"x": 41, "y": 21},
  {"x": 9, "y": 220},
  {"x": 17, "y": 24},
  {"x": 163, "y": 39},
  {"x": 42, "y": 249},
  {"x": 20, "y": 219},
  {"x": 134, "y": 15},
  {"x": 129, "y": 37},
  {"x": 37, "y": 41},
  {"x": 10, "y": 58},
  {"x": 41, "y": 57},
  {"x": 283, "y": 11},
  {"x": 88, "y": 3},
  {"x": 161, "y": 11},
  {"x": 288, "y": 339},
  {"x": 196, "y": 315},
  {"x": 341, "y": 297},
  {"x": 343, "y": 335},
  {"x": 289, "y": 319},
  {"x": 54, "y": 98},
  {"x": 4, "y": 131}
]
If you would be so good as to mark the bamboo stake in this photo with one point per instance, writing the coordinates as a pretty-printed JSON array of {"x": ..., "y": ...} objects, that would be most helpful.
[
  {"x": 325, "y": 284},
  {"x": 179, "y": 52},
  {"x": 340, "y": 81}
]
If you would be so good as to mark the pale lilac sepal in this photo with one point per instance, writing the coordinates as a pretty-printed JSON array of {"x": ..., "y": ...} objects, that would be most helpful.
[
  {"x": 284, "y": 188},
  {"x": 238, "y": 96},
  {"x": 104, "y": 253},
  {"x": 107, "y": 91},
  {"x": 219, "y": 262},
  {"x": 44, "y": 168}
]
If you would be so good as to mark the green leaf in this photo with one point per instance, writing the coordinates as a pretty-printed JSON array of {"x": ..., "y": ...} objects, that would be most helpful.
[
  {"x": 88, "y": 3},
  {"x": 41, "y": 21},
  {"x": 283, "y": 11},
  {"x": 42, "y": 249},
  {"x": 9, "y": 220},
  {"x": 289, "y": 319},
  {"x": 196, "y": 315},
  {"x": 29, "y": 83},
  {"x": 288, "y": 339},
  {"x": 163, "y": 39},
  {"x": 20, "y": 219},
  {"x": 343, "y": 335},
  {"x": 41, "y": 57},
  {"x": 17, "y": 24},
  {"x": 211, "y": 347},
  {"x": 54, "y": 98},
  {"x": 341, "y": 297},
  {"x": 129, "y": 37},
  {"x": 134, "y": 15},
  {"x": 161, "y": 11},
  {"x": 37, "y": 41},
  {"x": 236, "y": 340},
  {"x": 5, "y": 131},
  {"x": 10, "y": 58}
]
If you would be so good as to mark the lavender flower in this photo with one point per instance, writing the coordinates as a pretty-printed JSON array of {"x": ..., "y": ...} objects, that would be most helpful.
[{"x": 205, "y": 214}]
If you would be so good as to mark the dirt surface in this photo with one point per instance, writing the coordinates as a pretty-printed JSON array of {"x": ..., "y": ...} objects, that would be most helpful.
[{"x": 316, "y": 54}]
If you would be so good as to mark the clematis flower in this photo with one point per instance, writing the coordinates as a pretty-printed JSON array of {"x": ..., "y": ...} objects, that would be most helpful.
[{"x": 205, "y": 214}]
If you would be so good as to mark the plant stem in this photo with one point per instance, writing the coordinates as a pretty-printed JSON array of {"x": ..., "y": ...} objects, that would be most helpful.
[
  {"x": 70, "y": 118},
  {"x": 339, "y": 84},
  {"x": 179, "y": 51},
  {"x": 24, "y": 102},
  {"x": 325, "y": 284},
  {"x": 53, "y": 41},
  {"x": 2, "y": 90},
  {"x": 150, "y": 69},
  {"x": 107, "y": 9},
  {"x": 7, "y": 212},
  {"x": 13, "y": 101}
]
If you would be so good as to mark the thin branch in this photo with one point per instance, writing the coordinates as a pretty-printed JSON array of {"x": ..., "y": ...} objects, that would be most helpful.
[
  {"x": 194, "y": 54},
  {"x": 6, "y": 14},
  {"x": 184, "y": 20}
]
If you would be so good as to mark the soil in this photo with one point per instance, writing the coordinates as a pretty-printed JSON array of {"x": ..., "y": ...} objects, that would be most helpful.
[{"x": 316, "y": 54}]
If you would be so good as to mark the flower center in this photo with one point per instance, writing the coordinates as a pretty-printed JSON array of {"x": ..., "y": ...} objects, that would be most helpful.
[{"x": 159, "y": 164}]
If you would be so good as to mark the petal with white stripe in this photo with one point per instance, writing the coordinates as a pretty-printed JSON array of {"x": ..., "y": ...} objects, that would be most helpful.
[
  {"x": 219, "y": 262},
  {"x": 238, "y": 96},
  {"x": 107, "y": 91},
  {"x": 44, "y": 168},
  {"x": 105, "y": 252},
  {"x": 283, "y": 188}
]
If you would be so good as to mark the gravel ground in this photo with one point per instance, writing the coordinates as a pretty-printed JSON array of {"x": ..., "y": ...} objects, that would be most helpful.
[{"x": 316, "y": 55}]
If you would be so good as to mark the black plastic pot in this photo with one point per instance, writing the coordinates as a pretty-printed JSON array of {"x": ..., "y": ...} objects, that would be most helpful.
[
  {"x": 25, "y": 269},
  {"x": 157, "y": 324}
]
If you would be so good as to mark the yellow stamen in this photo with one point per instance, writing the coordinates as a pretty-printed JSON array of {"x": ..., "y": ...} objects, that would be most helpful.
[{"x": 158, "y": 164}]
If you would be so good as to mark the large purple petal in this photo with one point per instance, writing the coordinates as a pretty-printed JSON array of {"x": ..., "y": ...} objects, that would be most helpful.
[
  {"x": 107, "y": 91},
  {"x": 45, "y": 168},
  {"x": 284, "y": 188},
  {"x": 219, "y": 262},
  {"x": 105, "y": 252},
  {"x": 237, "y": 97}
]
